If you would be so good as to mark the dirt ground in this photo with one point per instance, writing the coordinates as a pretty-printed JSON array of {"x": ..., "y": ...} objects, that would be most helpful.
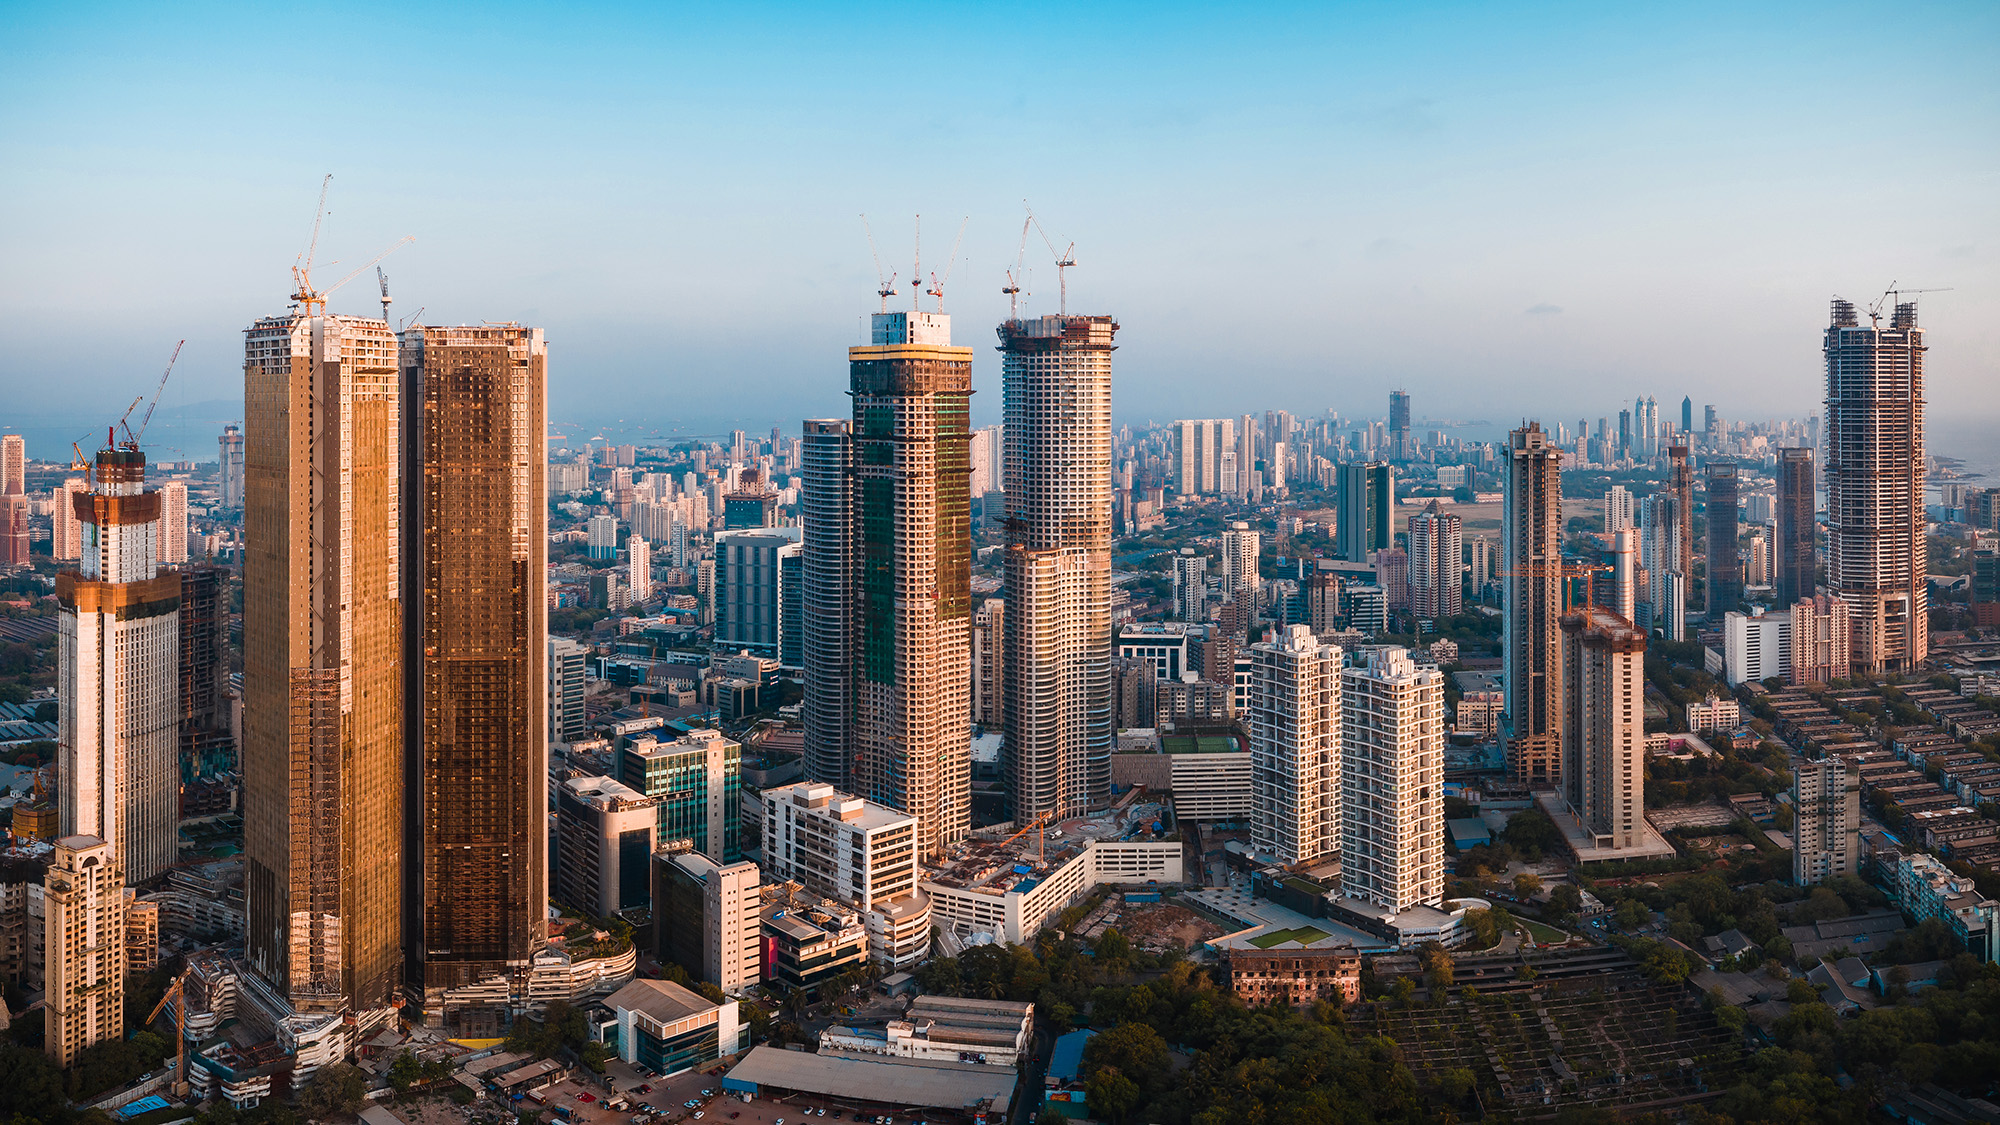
[{"x": 1154, "y": 928}]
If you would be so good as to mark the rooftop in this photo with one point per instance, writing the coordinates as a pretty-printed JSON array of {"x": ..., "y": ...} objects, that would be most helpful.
[
  {"x": 663, "y": 1000},
  {"x": 874, "y": 1078}
]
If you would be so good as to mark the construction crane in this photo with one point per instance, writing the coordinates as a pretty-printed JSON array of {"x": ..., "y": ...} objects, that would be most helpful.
[
  {"x": 313, "y": 301},
  {"x": 937, "y": 283},
  {"x": 176, "y": 993},
  {"x": 415, "y": 318},
  {"x": 1563, "y": 572},
  {"x": 384, "y": 279},
  {"x": 1888, "y": 298},
  {"x": 1064, "y": 259},
  {"x": 132, "y": 439},
  {"x": 885, "y": 287},
  {"x": 1013, "y": 286},
  {"x": 1041, "y": 838}
]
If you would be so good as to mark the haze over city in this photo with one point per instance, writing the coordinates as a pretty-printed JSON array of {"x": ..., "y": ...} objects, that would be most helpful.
[{"x": 1506, "y": 212}]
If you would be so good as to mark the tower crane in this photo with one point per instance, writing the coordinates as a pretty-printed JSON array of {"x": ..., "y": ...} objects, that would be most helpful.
[
  {"x": 178, "y": 994},
  {"x": 303, "y": 293},
  {"x": 937, "y": 283},
  {"x": 1887, "y": 298},
  {"x": 384, "y": 279},
  {"x": 1064, "y": 259},
  {"x": 1562, "y": 572},
  {"x": 1013, "y": 287},
  {"x": 885, "y": 286},
  {"x": 132, "y": 439},
  {"x": 917, "y": 267}
]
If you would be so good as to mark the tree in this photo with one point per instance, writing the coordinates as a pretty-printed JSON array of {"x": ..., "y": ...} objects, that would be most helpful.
[
  {"x": 1531, "y": 833},
  {"x": 1437, "y": 967},
  {"x": 1527, "y": 885},
  {"x": 1111, "y": 1093},
  {"x": 1565, "y": 899},
  {"x": 405, "y": 1072},
  {"x": 29, "y": 1082},
  {"x": 335, "y": 1089}
]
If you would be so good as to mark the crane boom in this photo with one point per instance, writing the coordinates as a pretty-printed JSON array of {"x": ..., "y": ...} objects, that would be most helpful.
[
  {"x": 147, "y": 420},
  {"x": 1064, "y": 259},
  {"x": 885, "y": 286},
  {"x": 937, "y": 283}
]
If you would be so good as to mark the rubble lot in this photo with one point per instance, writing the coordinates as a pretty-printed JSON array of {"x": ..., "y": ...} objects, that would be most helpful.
[{"x": 1156, "y": 926}]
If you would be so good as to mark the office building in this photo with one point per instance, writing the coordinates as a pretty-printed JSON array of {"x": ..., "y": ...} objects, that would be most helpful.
[
  {"x": 1725, "y": 568},
  {"x": 568, "y": 721},
  {"x": 755, "y": 589},
  {"x": 827, "y": 553},
  {"x": 1163, "y": 645},
  {"x": 909, "y": 610},
  {"x": 696, "y": 785},
  {"x": 1437, "y": 563},
  {"x": 118, "y": 741},
  {"x": 1794, "y": 551},
  {"x": 602, "y": 538},
  {"x": 1531, "y": 544},
  {"x": 207, "y": 738},
  {"x": 989, "y": 648},
  {"x": 1240, "y": 547},
  {"x": 1604, "y": 727},
  {"x": 1826, "y": 826},
  {"x": 1876, "y": 553},
  {"x": 1367, "y": 609},
  {"x": 1821, "y": 634},
  {"x": 1756, "y": 645},
  {"x": 604, "y": 842},
  {"x": 1392, "y": 781},
  {"x": 1295, "y": 738},
  {"x": 474, "y": 566},
  {"x": 1322, "y": 593},
  {"x": 669, "y": 1029},
  {"x": 229, "y": 450},
  {"x": 706, "y": 918},
  {"x": 1056, "y": 669},
  {"x": 1400, "y": 446},
  {"x": 83, "y": 914},
  {"x": 323, "y": 778},
  {"x": 1618, "y": 510},
  {"x": 857, "y": 853},
  {"x": 1191, "y": 586},
  {"x": 1366, "y": 521}
]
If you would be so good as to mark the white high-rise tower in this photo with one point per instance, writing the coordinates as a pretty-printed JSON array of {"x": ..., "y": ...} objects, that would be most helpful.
[{"x": 1295, "y": 760}]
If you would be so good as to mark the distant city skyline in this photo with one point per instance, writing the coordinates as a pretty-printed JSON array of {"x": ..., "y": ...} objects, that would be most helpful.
[{"x": 1505, "y": 210}]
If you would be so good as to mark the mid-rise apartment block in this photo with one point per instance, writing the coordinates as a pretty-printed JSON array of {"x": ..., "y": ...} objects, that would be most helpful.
[
  {"x": 1820, "y": 638},
  {"x": 83, "y": 910},
  {"x": 1826, "y": 828},
  {"x": 1756, "y": 645},
  {"x": 855, "y": 852}
]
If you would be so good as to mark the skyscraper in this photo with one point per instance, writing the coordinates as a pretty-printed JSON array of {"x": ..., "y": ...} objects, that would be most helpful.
[
  {"x": 84, "y": 914},
  {"x": 1624, "y": 572},
  {"x": 1725, "y": 567},
  {"x": 66, "y": 530},
  {"x": 1241, "y": 546},
  {"x": 207, "y": 740},
  {"x": 118, "y": 741},
  {"x": 1437, "y": 563},
  {"x": 1366, "y": 522},
  {"x": 826, "y": 508},
  {"x": 229, "y": 449},
  {"x": 639, "y": 568},
  {"x": 1400, "y": 448},
  {"x": 1191, "y": 586},
  {"x": 911, "y": 613},
  {"x": 1687, "y": 414},
  {"x": 1604, "y": 728},
  {"x": 568, "y": 721},
  {"x": 474, "y": 561},
  {"x": 13, "y": 465},
  {"x": 1531, "y": 550},
  {"x": 753, "y": 588},
  {"x": 323, "y": 775},
  {"x": 1056, "y": 675},
  {"x": 13, "y": 501},
  {"x": 1794, "y": 552},
  {"x": 1294, "y": 722},
  {"x": 1198, "y": 448},
  {"x": 1660, "y": 541},
  {"x": 1875, "y": 485},
  {"x": 173, "y": 522},
  {"x": 1392, "y": 781},
  {"x": 1681, "y": 481},
  {"x": 1617, "y": 509}
]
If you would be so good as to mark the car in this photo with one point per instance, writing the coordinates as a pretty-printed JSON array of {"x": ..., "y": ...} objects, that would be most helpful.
[
  {"x": 687, "y": 1105},
  {"x": 644, "y": 1089},
  {"x": 734, "y": 1114},
  {"x": 697, "y": 1115},
  {"x": 707, "y": 1093},
  {"x": 586, "y": 1097}
]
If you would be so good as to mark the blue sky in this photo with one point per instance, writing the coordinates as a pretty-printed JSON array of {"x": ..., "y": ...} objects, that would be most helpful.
[{"x": 1510, "y": 210}]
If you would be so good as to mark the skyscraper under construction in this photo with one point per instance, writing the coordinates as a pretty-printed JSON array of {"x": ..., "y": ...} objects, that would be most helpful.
[
  {"x": 1531, "y": 532},
  {"x": 322, "y": 652},
  {"x": 1875, "y": 485},
  {"x": 475, "y": 728},
  {"x": 891, "y": 494},
  {"x": 1056, "y": 678}
]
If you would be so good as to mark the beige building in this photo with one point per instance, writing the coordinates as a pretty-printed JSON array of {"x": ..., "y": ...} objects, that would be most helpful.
[
  {"x": 706, "y": 918},
  {"x": 1826, "y": 831},
  {"x": 989, "y": 648},
  {"x": 855, "y": 852},
  {"x": 1531, "y": 545},
  {"x": 84, "y": 909},
  {"x": 1604, "y": 726},
  {"x": 322, "y": 748},
  {"x": 1295, "y": 743},
  {"x": 1821, "y": 636},
  {"x": 1392, "y": 781}
]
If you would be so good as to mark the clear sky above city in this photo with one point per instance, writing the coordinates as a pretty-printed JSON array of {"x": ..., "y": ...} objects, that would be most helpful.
[{"x": 1508, "y": 210}]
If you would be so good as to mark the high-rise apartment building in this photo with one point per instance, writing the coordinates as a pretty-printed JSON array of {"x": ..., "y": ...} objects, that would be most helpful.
[
  {"x": 568, "y": 722},
  {"x": 1821, "y": 634},
  {"x": 1661, "y": 537},
  {"x": 83, "y": 912},
  {"x": 1198, "y": 451},
  {"x": 1618, "y": 512},
  {"x": 474, "y": 564},
  {"x": 639, "y": 568},
  {"x": 13, "y": 501},
  {"x": 1604, "y": 726},
  {"x": 1366, "y": 522},
  {"x": 1437, "y": 563},
  {"x": 323, "y": 779},
  {"x": 1794, "y": 551},
  {"x": 1680, "y": 473},
  {"x": 696, "y": 784},
  {"x": 13, "y": 465},
  {"x": 1479, "y": 559},
  {"x": 910, "y": 615},
  {"x": 1624, "y": 573},
  {"x": 601, "y": 533},
  {"x": 229, "y": 450},
  {"x": 207, "y": 738},
  {"x": 755, "y": 589},
  {"x": 1725, "y": 566},
  {"x": 1826, "y": 827},
  {"x": 66, "y": 529},
  {"x": 989, "y": 648},
  {"x": 1531, "y": 544},
  {"x": 1876, "y": 553},
  {"x": 1392, "y": 781},
  {"x": 1294, "y": 723},
  {"x": 173, "y": 525},
  {"x": 826, "y": 507},
  {"x": 118, "y": 740},
  {"x": 1191, "y": 586},
  {"x": 1240, "y": 547},
  {"x": 1056, "y": 671}
]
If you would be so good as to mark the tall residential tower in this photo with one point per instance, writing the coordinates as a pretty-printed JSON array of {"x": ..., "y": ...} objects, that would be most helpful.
[{"x": 1531, "y": 537}]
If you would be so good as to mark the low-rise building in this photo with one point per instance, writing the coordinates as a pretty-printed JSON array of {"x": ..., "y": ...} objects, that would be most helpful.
[
  {"x": 668, "y": 1029},
  {"x": 1926, "y": 888},
  {"x": 808, "y": 941},
  {"x": 1714, "y": 712},
  {"x": 988, "y": 888},
  {"x": 1294, "y": 976},
  {"x": 945, "y": 1029}
]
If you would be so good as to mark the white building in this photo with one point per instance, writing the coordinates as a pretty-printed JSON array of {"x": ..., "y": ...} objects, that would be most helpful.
[
  {"x": 1295, "y": 735},
  {"x": 1240, "y": 547},
  {"x": 1162, "y": 644},
  {"x": 602, "y": 533},
  {"x": 1756, "y": 646},
  {"x": 706, "y": 918},
  {"x": 855, "y": 852},
  {"x": 973, "y": 898},
  {"x": 1190, "y": 586},
  {"x": 1392, "y": 781},
  {"x": 1604, "y": 727},
  {"x": 945, "y": 1029},
  {"x": 568, "y": 721},
  {"x": 118, "y": 740},
  {"x": 639, "y": 558},
  {"x": 1713, "y": 712},
  {"x": 1826, "y": 832},
  {"x": 1617, "y": 510}
]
